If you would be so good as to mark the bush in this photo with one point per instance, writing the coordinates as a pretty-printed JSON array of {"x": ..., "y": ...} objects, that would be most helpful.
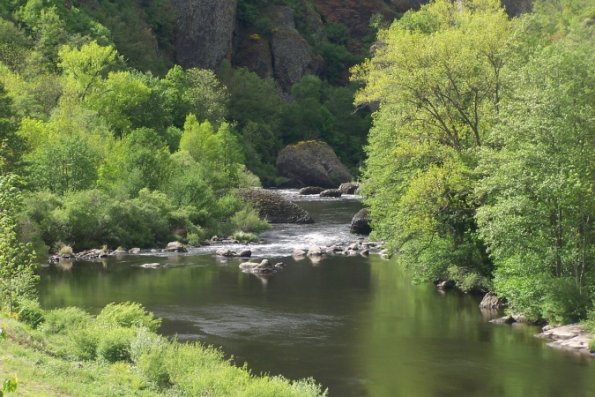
[
  {"x": 247, "y": 220},
  {"x": 245, "y": 237},
  {"x": 148, "y": 351},
  {"x": 84, "y": 344},
  {"x": 30, "y": 313},
  {"x": 66, "y": 251},
  {"x": 128, "y": 314},
  {"x": 65, "y": 319},
  {"x": 114, "y": 344}
]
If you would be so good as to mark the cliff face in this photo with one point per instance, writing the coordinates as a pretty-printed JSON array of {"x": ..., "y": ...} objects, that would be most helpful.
[
  {"x": 280, "y": 41},
  {"x": 204, "y": 31}
]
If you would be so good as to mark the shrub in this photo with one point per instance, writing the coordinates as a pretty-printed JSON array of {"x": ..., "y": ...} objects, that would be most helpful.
[
  {"x": 245, "y": 237},
  {"x": 114, "y": 344},
  {"x": 247, "y": 220},
  {"x": 65, "y": 319},
  {"x": 66, "y": 251},
  {"x": 128, "y": 314},
  {"x": 30, "y": 312},
  {"x": 84, "y": 344},
  {"x": 148, "y": 351},
  {"x": 194, "y": 238}
]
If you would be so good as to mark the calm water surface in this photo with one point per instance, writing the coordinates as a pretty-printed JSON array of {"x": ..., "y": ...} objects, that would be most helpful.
[{"x": 357, "y": 325}]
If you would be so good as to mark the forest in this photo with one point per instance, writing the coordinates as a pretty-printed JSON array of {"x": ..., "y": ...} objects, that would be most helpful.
[{"x": 471, "y": 132}]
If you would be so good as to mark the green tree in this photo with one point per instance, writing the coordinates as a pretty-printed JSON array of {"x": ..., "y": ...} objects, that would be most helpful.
[
  {"x": 64, "y": 163},
  {"x": 17, "y": 261},
  {"x": 538, "y": 181},
  {"x": 85, "y": 68},
  {"x": 437, "y": 77},
  {"x": 11, "y": 145},
  {"x": 139, "y": 160}
]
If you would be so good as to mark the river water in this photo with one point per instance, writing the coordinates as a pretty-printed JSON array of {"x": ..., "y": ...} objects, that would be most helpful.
[{"x": 357, "y": 325}]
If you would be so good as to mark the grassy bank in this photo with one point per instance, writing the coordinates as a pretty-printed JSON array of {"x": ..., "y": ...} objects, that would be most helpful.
[{"x": 70, "y": 353}]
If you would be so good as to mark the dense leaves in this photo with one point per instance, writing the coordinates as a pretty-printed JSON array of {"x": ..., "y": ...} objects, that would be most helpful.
[{"x": 481, "y": 155}]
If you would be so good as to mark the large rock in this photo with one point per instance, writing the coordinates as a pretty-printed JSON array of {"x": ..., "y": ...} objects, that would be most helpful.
[
  {"x": 312, "y": 163},
  {"x": 175, "y": 246},
  {"x": 572, "y": 337},
  {"x": 331, "y": 193},
  {"x": 491, "y": 301},
  {"x": 349, "y": 187},
  {"x": 204, "y": 31},
  {"x": 311, "y": 190},
  {"x": 291, "y": 53},
  {"x": 274, "y": 208},
  {"x": 360, "y": 223}
]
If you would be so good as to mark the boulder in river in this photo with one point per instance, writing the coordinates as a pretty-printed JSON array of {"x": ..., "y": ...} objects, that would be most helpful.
[
  {"x": 315, "y": 251},
  {"x": 265, "y": 267},
  {"x": 312, "y": 163},
  {"x": 275, "y": 208},
  {"x": 349, "y": 187},
  {"x": 175, "y": 246},
  {"x": 360, "y": 223},
  {"x": 134, "y": 251},
  {"x": 331, "y": 193},
  {"x": 225, "y": 252},
  {"x": 311, "y": 190},
  {"x": 491, "y": 301}
]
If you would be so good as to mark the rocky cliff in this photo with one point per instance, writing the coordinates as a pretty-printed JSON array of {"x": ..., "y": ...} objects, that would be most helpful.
[
  {"x": 204, "y": 31},
  {"x": 280, "y": 41}
]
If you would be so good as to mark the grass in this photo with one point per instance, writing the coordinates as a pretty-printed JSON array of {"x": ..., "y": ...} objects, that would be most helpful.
[{"x": 115, "y": 354}]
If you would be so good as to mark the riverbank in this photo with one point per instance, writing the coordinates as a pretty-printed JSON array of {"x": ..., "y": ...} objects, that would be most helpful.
[
  {"x": 73, "y": 354},
  {"x": 572, "y": 337}
]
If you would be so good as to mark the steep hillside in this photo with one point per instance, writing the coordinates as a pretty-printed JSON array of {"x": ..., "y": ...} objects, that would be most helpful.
[{"x": 283, "y": 39}]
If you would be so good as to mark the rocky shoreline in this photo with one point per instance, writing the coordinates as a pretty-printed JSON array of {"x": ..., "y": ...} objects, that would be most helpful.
[{"x": 573, "y": 338}]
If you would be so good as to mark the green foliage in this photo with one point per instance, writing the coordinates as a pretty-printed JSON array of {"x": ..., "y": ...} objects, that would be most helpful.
[
  {"x": 30, "y": 313},
  {"x": 537, "y": 172},
  {"x": 144, "y": 361},
  {"x": 483, "y": 144},
  {"x": 247, "y": 220},
  {"x": 437, "y": 80},
  {"x": 64, "y": 320},
  {"x": 149, "y": 353},
  {"x": 114, "y": 345},
  {"x": 245, "y": 238},
  {"x": 17, "y": 261},
  {"x": 320, "y": 111},
  {"x": 128, "y": 314},
  {"x": 138, "y": 29},
  {"x": 11, "y": 145},
  {"x": 9, "y": 386},
  {"x": 139, "y": 160},
  {"x": 65, "y": 163}
]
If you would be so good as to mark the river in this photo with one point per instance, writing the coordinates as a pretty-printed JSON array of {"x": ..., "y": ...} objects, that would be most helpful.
[{"x": 355, "y": 324}]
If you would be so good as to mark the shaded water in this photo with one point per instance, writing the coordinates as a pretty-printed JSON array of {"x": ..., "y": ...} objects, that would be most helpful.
[{"x": 357, "y": 325}]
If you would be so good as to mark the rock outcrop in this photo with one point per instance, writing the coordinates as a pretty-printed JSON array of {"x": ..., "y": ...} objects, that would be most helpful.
[
  {"x": 360, "y": 223},
  {"x": 491, "y": 301},
  {"x": 310, "y": 190},
  {"x": 292, "y": 55},
  {"x": 349, "y": 187},
  {"x": 331, "y": 193},
  {"x": 312, "y": 163},
  {"x": 204, "y": 31},
  {"x": 274, "y": 208},
  {"x": 571, "y": 337}
]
